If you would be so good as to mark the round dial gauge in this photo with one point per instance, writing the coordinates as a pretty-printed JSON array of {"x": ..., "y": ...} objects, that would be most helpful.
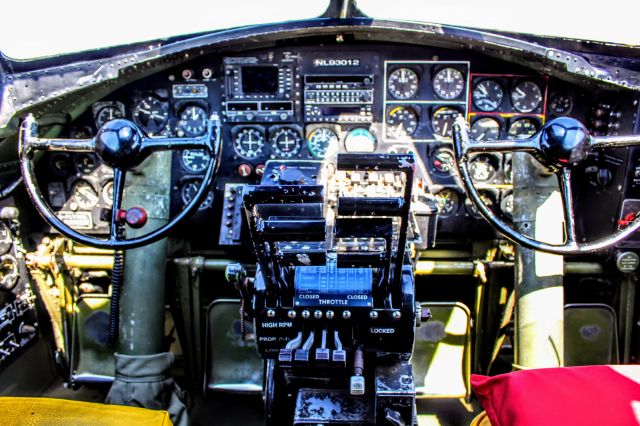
[
  {"x": 321, "y": 141},
  {"x": 561, "y": 104},
  {"x": 6, "y": 240},
  {"x": 286, "y": 142},
  {"x": 401, "y": 122},
  {"x": 506, "y": 205},
  {"x": 189, "y": 191},
  {"x": 403, "y": 83},
  {"x": 151, "y": 114},
  {"x": 84, "y": 195},
  {"x": 487, "y": 95},
  {"x": 195, "y": 160},
  {"x": 508, "y": 169},
  {"x": 249, "y": 143},
  {"x": 85, "y": 163},
  {"x": 107, "y": 193},
  {"x": 61, "y": 164},
  {"x": 81, "y": 132},
  {"x": 443, "y": 161},
  {"x": 485, "y": 129},
  {"x": 448, "y": 83},
  {"x": 193, "y": 121},
  {"x": 360, "y": 140},
  {"x": 108, "y": 113},
  {"x": 442, "y": 121},
  {"x": 487, "y": 199},
  {"x": 483, "y": 167},
  {"x": 526, "y": 96},
  {"x": 9, "y": 273},
  {"x": 448, "y": 202},
  {"x": 522, "y": 128}
]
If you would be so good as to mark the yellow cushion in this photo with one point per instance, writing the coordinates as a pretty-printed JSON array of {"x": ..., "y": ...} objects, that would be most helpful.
[{"x": 59, "y": 412}]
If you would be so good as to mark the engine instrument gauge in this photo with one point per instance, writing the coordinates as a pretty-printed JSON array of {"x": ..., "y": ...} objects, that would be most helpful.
[
  {"x": 195, "y": 160},
  {"x": 151, "y": 114},
  {"x": 189, "y": 191},
  {"x": 402, "y": 122},
  {"x": 81, "y": 132},
  {"x": 448, "y": 202},
  {"x": 403, "y": 83},
  {"x": 85, "y": 163},
  {"x": 487, "y": 199},
  {"x": 249, "y": 143},
  {"x": 193, "y": 121},
  {"x": 506, "y": 205},
  {"x": 61, "y": 164},
  {"x": 483, "y": 167},
  {"x": 448, "y": 83},
  {"x": 286, "y": 142},
  {"x": 107, "y": 193},
  {"x": 561, "y": 104},
  {"x": 84, "y": 194},
  {"x": 442, "y": 121},
  {"x": 522, "y": 128},
  {"x": 108, "y": 113},
  {"x": 360, "y": 140},
  {"x": 443, "y": 161},
  {"x": 322, "y": 141},
  {"x": 526, "y": 96},
  {"x": 6, "y": 240},
  {"x": 508, "y": 168},
  {"x": 485, "y": 129},
  {"x": 487, "y": 95},
  {"x": 9, "y": 272}
]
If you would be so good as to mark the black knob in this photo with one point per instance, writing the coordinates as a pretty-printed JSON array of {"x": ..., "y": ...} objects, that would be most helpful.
[
  {"x": 564, "y": 142},
  {"x": 119, "y": 143}
]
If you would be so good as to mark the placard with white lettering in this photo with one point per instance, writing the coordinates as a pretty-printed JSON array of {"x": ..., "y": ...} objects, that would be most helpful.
[{"x": 336, "y": 287}]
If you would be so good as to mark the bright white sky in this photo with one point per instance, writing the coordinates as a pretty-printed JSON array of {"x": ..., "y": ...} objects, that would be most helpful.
[{"x": 45, "y": 27}]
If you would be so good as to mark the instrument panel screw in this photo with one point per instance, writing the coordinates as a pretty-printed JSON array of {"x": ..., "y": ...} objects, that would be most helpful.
[
  {"x": 329, "y": 314},
  {"x": 396, "y": 315},
  {"x": 317, "y": 314},
  {"x": 306, "y": 314},
  {"x": 291, "y": 314},
  {"x": 271, "y": 313},
  {"x": 346, "y": 314},
  {"x": 373, "y": 315}
]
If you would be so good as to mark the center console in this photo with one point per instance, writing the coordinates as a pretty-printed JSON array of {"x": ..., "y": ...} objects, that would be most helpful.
[{"x": 332, "y": 300}]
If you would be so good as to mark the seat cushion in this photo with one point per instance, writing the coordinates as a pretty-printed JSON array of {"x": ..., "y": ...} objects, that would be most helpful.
[
  {"x": 59, "y": 412},
  {"x": 590, "y": 395}
]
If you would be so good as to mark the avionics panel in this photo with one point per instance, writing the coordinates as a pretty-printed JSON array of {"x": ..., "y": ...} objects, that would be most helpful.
[{"x": 259, "y": 89}]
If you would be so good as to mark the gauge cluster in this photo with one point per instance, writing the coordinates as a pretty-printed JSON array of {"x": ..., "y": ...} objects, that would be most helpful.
[
  {"x": 312, "y": 102},
  {"x": 422, "y": 99},
  {"x": 79, "y": 189},
  {"x": 506, "y": 106}
]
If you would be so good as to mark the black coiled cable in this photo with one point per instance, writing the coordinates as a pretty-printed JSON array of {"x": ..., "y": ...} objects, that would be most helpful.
[{"x": 117, "y": 277}]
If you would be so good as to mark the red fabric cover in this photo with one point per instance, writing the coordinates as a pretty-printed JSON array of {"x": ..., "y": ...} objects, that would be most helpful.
[{"x": 591, "y": 395}]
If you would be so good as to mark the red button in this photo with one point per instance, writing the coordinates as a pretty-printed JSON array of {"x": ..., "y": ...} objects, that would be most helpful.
[
  {"x": 260, "y": 169},
  {"x": 245, "y": 170},
  {"x": 136, "y": 217}
]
